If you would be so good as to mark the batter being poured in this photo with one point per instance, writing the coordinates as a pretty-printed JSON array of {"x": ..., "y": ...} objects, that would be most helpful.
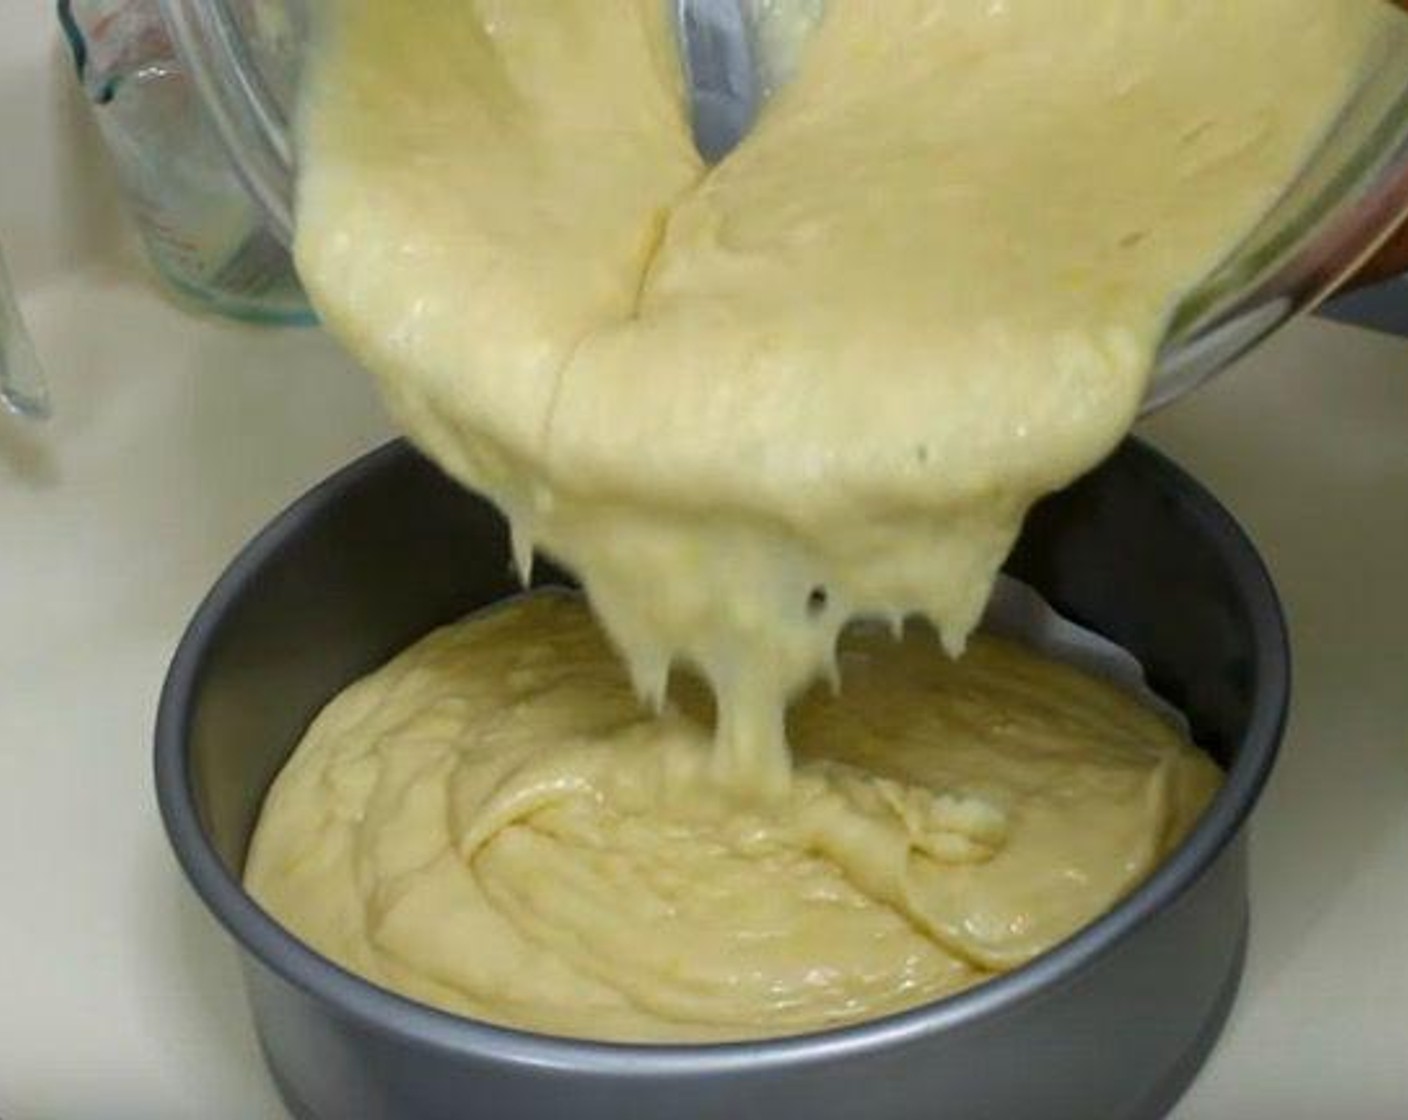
[
  {"x": 925, "y": 291},
  {"x": 824, "y": 379}
]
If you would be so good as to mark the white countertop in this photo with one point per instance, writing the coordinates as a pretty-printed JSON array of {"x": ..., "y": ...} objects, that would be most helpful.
[{"x": 176, "y": 437}]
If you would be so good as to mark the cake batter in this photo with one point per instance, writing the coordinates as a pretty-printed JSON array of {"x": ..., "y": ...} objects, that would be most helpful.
[
  {"x": 837, "y": 368},
  {"x": 824, "y": 379},
  {"x": 493, "y": 824}
]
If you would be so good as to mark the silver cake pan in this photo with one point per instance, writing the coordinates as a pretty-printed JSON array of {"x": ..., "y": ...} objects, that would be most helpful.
[{"x": 1114, "y": 1023}]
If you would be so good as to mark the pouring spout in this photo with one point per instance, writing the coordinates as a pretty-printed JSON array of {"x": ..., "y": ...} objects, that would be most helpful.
[{"x": 721, "y": 73}]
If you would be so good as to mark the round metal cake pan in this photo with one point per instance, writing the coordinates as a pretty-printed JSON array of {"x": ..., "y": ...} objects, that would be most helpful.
[{"x": 1113, "y": 1023}]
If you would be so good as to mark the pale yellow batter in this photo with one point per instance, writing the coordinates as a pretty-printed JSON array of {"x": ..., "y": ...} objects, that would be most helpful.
[
  {"x": 825, "y": 379},
  {"x": 924, "y": 292},
  {"x": 493, "y": 824}
]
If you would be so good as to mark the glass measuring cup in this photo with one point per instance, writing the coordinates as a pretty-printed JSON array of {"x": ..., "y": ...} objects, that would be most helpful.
[
  {"x": 204, "y": 234},
  {"x": 244, "y": 57}
]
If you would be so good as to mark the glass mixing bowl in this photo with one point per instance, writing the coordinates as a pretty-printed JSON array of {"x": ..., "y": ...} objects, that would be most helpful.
[{"x": 244, "y": 57}]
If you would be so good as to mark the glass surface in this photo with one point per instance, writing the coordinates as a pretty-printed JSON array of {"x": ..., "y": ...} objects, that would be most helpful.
[
  {"x": 22, "y": 387},
  {"x": 244, "y": 57}
]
